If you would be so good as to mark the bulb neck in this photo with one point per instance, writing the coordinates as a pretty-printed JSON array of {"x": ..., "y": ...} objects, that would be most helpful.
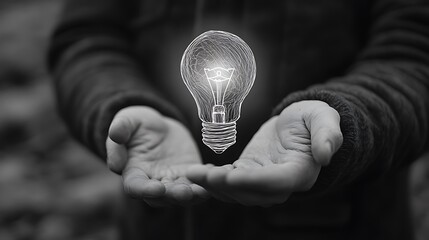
[
  {"x": 218, "y": 114},
  {"x": 219, "y": 136}
]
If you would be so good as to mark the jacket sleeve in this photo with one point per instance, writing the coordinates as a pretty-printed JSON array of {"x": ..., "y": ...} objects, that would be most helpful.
[
  {"x": 95, "y": 72},
  {"x": 383, "y": 101}
]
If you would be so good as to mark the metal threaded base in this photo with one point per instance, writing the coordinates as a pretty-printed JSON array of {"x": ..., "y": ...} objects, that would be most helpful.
[{"x": 219, "y": 136}]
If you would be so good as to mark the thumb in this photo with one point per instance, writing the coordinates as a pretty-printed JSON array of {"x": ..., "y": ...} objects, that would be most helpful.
[
  {"x": 326, "y": 137},
  {"x": 116, "y": 156},
  {"x": 123, "y": 126}
]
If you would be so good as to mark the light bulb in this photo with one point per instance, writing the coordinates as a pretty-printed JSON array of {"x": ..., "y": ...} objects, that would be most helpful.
[{"x": 219, "y": 70}]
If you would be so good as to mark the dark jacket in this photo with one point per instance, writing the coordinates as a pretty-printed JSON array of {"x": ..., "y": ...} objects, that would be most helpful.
[{"x": 367, "y": 59}]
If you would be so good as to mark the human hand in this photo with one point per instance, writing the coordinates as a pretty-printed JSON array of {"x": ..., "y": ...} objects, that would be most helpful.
[
  {"x": 152, "y": 153},
  {"x": 283, "y": 157}
]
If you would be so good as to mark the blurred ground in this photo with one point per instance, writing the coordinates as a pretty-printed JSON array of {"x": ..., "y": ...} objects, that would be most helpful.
[{"x": 50, "y": 187}]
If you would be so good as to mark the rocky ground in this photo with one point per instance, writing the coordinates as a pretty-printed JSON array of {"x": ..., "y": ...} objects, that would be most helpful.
[{"x": 51, "y": 187}]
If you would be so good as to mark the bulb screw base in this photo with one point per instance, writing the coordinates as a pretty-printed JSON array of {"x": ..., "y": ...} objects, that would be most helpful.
[{"x": 219, "y": 136}]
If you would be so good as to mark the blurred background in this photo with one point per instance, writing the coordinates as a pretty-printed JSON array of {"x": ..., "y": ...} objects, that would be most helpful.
[{"x": 50, "y": 186}]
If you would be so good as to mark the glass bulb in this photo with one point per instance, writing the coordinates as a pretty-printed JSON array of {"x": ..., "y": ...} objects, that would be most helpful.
[{"x": 219, "y": 70}]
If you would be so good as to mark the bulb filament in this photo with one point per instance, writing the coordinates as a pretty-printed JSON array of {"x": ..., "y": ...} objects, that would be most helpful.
[{"x": 219, "y": 79}]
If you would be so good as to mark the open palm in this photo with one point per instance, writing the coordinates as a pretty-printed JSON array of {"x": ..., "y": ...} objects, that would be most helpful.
[
  {"x": 152, "y": 153},
  {"x": 283, "y": 157}
]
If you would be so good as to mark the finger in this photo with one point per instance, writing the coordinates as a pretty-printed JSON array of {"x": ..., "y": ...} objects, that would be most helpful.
[
  {"x": 199, "y": 191},
  {"x": 217, "y": 185},
  {"x": 219, "y": 194},
  {"x": 217, "y": 175},
  {"x": 199, "y": 175},
  {"x": 179, "y": 192},
  {"x": 249, "y": 195},
  {"x": 217, "y": 180},
  {"x": 245, "y": 163},
  {"x": 179, "y": 189},
  {"x": 326, "y": 136},
  {"x": 279, "y": 178},
  {"x": 128, "y": 120},
  {"x": 138, "y": 185},
  {"x": 122, "y": 127},
  {"x": 116, "y": 156}
]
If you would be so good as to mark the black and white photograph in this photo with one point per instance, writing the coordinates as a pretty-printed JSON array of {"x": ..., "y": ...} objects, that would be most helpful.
[{"x": 214, "y": 120}]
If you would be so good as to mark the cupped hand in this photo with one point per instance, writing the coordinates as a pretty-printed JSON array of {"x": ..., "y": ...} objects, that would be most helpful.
[
  {"x": 152, "y": 153},
  {"x": 283, "y": 157}
]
